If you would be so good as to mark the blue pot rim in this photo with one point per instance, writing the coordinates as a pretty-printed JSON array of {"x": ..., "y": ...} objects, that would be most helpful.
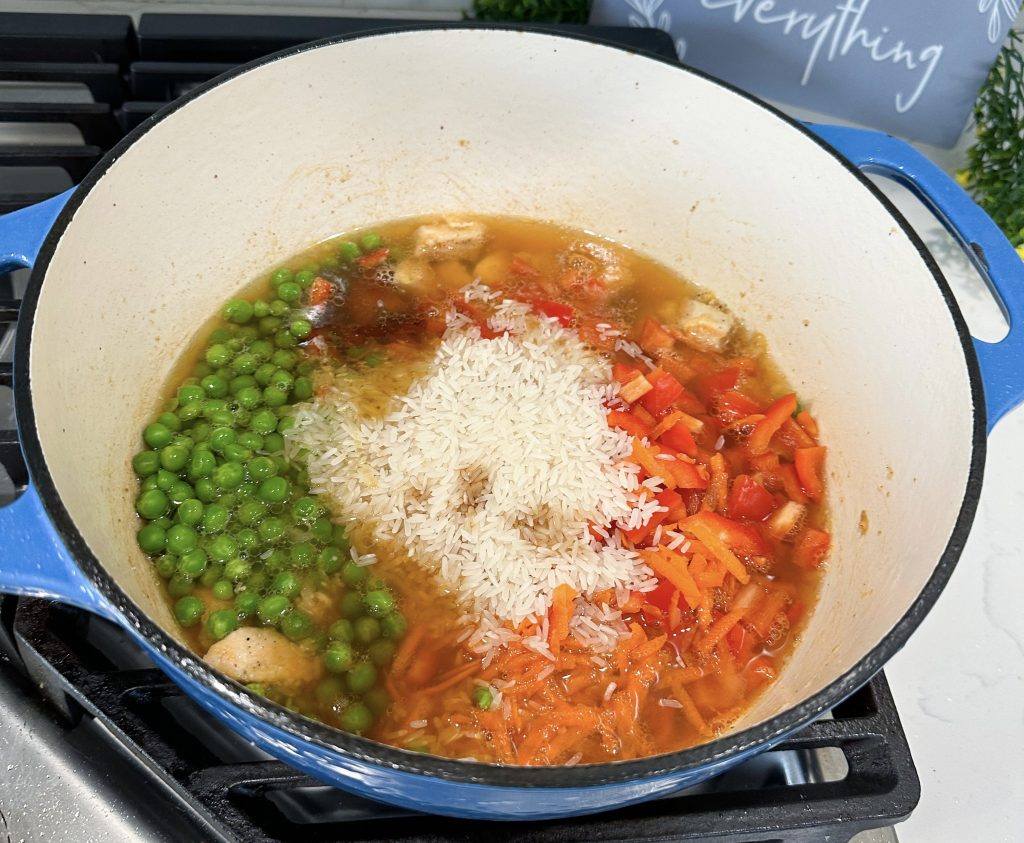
[{"x": 384, "y": 756}]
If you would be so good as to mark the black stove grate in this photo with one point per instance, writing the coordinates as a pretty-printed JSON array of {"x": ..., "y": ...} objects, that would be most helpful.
[{"x": 70, "y": 86}]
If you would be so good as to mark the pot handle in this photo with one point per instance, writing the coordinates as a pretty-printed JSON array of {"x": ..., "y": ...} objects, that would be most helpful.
[
  {"x": 34, "y": 561},
  {"x": 1001, "y": 363}
]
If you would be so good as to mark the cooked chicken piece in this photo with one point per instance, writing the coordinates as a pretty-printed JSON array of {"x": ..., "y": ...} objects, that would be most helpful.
[
  {"x": 705, "y": 327},
  {"x": 252, "y": 654},
  {"x": 455, "y": 239},
  {"x": 316, "y": 604},
  {"x": 413, "y": 273},
  {"x": 452, "y": 275},
  {"x": 610, "y": 266},
  {"x": 492, "y": 269}
]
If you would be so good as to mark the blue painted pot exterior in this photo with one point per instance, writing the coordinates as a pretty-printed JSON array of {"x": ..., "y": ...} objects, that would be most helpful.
[{"x": 37, "y": 562}]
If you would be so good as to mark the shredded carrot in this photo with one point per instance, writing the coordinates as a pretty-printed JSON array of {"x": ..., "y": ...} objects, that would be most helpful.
[
  {"x": 719, "y": 629},
  {"x": 453, "y": 677},
  {"x": 650, "y": 648},
  {"x": 672, "y": 566},
  {"x": 718, "y": 488},
  {"x": 407, "y": 649},
  {"x": 561, "y": 613},
  {"x": 667, "y": 423},
  {"x": 691, "y": 713},
  {"x": 769, "y": 609},
  {"x": 718, "y": 548}
]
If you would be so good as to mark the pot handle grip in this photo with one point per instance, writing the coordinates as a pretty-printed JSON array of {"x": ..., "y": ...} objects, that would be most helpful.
[
  {"x": 1000, "y": 265},
  {"x": 34, "y": 561}
]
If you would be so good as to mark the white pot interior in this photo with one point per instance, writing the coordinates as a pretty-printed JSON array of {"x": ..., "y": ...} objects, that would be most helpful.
[{"x": 501, "y": 122}]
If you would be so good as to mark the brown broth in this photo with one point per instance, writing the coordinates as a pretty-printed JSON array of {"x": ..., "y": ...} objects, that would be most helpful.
[{"x": 378, "y": 336}]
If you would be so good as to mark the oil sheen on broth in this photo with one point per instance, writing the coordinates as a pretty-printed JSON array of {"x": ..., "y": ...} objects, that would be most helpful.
[{"x": 288, "y": 545}]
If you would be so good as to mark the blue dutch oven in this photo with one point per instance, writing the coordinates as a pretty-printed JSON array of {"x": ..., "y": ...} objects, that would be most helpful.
[{"x": 775, "y": 216}]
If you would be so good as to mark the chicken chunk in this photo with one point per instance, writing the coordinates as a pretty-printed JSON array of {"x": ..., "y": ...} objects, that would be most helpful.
[
  {"x": 705, "y": 327},
  {"x": 252, "y": 654},
  {"x": 452, "y": 239},
  {"x": 414, "y": 273}
]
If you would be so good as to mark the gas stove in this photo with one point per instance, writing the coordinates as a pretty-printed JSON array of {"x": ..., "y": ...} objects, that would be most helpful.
[{"x": 97, "y": 744}]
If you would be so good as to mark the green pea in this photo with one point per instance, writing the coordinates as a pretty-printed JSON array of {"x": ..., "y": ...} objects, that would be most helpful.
[
  {"x": 261, "y": 468},
  {"x": 377, "y": 700},
  {"x": 157, "y": 435},
  {"x": 221, "y": 623},
  {"x": 230, "y": 475},
  {"x": 189, "y": 393},
  {"x": 277, "y": 560},
  {"x": 338, "y": 657},
  {"x": 170, "y": 421},
  {"x": 248, "y": 541},
  {"x": 279, "y": 276},
  {"x": 188, "y": 610},
  {"x": 264, "y": 422},
  {"x": 273, "y": 490},
  {"x": 260, "y": 309},
  {"x": 174, "y": 457},
  {"x": 300, "y": 328},
  {"x": 166, "y": 565},
  {"x": 283, "y": 359},
  {"x": 305, "y": 277},
  {"x": 148, "y": 484},
  {"x": 237, "y": 570},
  {"x": 394, "y": 626},
  {"x": 180, "y": 491},
  {"x": 355, "y": 352},
  {"x": 379, "y": 602},
  {"x": 279, "y": 307},
  {"x": 353, "y": 575},
  {"x": 356, "y": 718},
  {"x": 249, "y": 397},
  {"x": 206, "y": 491},
  {"x": 348, "y": 251},
  {"x": 203, "y": 464},
  {"x": 179, "y": 585},
  {"x": 192, "y": 564},
  {"x": 190, "y": 411},
  {"x": 236, "y": 453},
  {"x": 328, "y": 690},
  {"x": 245, "y": 364},
  {"x": 247, "y": 603},
  {"x": 370, "y": 241},
  {"x": 296, "y": 625},
  {"x": 302, "y": 389},
  {"x": 286, "y": 583},
  {"x": 221, "y": 437},
  {"x": 274, "y": 396},
  {"x": 351, "y": 605},
  {"x": 381, "y": 652},
  {"x": 341, "y": 630},
  {"x": 146, "y": 463},
  {"x": 238, "y": 311},
  {"x": 181, "y": 539},
  {"x": 240, "y": 416},
  {"x": 223, "y": 590},
  {"x": 330, "y": 560},
  {"x": 282, "y": 380},
  {"x": 190, "y": 512},
  {"x": 367, "y": 630},
  {"x": 200, "y": 433},
  {"x": 273, "y": 530},
  {"x": 152, "y": 539},
  {"x": 361, "y": 677},
  {"x": 289, "y": 292},
  {"x": 482, "y": 697},
  {"x": 211, "y": 574},
  {"x": 340, "y": 537},
  {"x": 240, "y": 382},
  {"x": 322, "y": 530},
  {"x": 214, "y": 386},
  {"x": 262, "y": 349},
  {"x": 201, "y": 370},
  {"x": 223, "y": 548},
  {"x": 273, "y": 442},
  {"x": 218, "y": 355},
  {"x": 302, "y": 555},
  {"x": 272, "y": 608},
  {"x": 152, "y": 504},
  {"x": 250, "y": 512},
  {"x": 215, "y": 518}
]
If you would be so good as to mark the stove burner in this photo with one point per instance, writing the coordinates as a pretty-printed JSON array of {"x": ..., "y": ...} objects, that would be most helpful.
[{"x": 89, "y": 728}]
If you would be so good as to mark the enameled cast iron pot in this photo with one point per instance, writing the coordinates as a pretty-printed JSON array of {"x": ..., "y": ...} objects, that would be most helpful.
[{"x": 772, "y": 215}]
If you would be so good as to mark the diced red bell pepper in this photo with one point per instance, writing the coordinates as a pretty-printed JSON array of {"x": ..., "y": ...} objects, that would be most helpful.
[
  {"x": 623, "y": 373},
  {"x": 666, "y": 390},
  {"x": 628, "y": 422},
  {"x": 745, "y": 538},
  {"x": 732, "y": 405},
  {"x": 374, "y": 258},
  {"x": 679, "y": 438},
  {"x": 662, "y": 595},
  {"x": 795, "y": 612},
  {"x": 708, "y": 386},
  {"x": 749, "y": 499},
  {"x": 523, "y": 268},
  {"x": 653, "y": 337},
  {"x": 320, "y": 291},
  {"x": 786, "y": 473},
  {"x": 687, "y": 475},
  {"x": 808, "y": 423},
  {"x": 562, "y": 312},
  {"x": 587, "y": 329},
  {"x": 735, "y": 638},
  {"x": 667, "y": 498},
  {"x": 811, "y": 547},
  {"x": 810, "y": 463},
  {"x": 774, "y": 416},
  {"x": 693, "y": 498}
]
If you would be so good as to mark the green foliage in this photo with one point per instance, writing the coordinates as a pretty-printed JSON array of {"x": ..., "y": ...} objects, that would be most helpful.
[
  {"x": 995, "y": 163},
  {"x": 537, "y": 11}
]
